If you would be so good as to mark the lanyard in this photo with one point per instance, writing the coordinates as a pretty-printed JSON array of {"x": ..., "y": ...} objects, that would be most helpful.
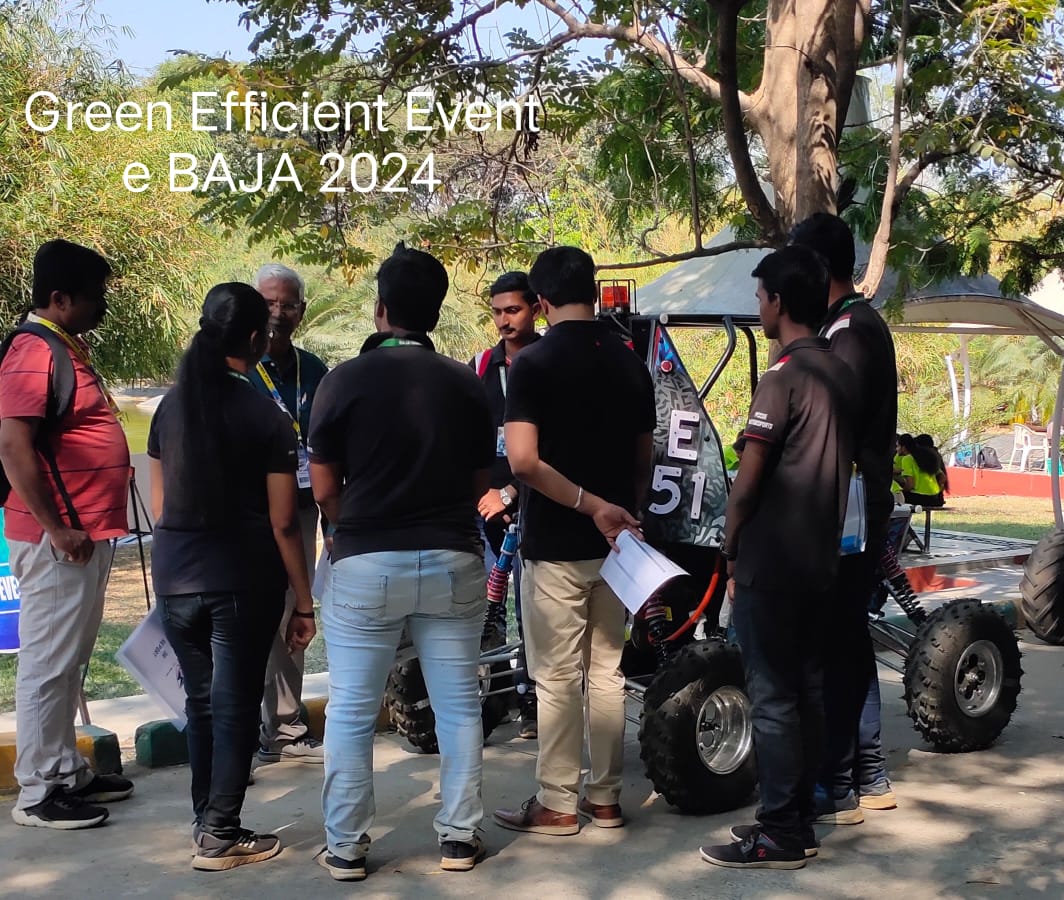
[
  {"x": 240, "y": 376},
  {"x": 82, "y": 354},
  {"x": 400, "y": 342},
  {"x": 502, "y": 379},
  {"x": 264, "y": 375}
]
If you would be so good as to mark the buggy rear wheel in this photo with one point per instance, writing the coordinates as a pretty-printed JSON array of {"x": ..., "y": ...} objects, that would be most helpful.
[
  {"x": 962, "y": 676},
  {"x": 695, "y": 732},
  {"x": 1042, "y": 589},
  {"x": 408, "y": 700}
]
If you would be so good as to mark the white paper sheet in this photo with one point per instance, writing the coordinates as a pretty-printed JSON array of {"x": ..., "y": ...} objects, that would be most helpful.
[
  {"x": 635, "y": 570},
  {"x": 149, "y": 658}
]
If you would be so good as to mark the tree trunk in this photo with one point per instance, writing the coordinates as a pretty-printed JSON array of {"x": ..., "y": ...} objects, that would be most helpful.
[{"x": 810, "y": 60}]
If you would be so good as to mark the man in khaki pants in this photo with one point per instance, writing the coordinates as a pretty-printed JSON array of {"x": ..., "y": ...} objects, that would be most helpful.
[{"x": 579, "y": 436}]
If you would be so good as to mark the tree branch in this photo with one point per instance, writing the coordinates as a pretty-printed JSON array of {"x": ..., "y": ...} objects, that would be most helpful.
[
  {"x": 691, "y": 254},
  {"x": 877, "y": 261},
  {"x": 640, "y": 36},
  {"x": 734, "y": 125}
]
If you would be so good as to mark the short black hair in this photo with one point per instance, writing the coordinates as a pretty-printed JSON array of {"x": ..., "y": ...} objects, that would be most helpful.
[
  {"x": 564, "y": 275},
  {"x": 798, "y": 276},
  {"x": 513, "y": 283},
  {"x": 411, "y": 285},
  {"x": 66, "y": 267},
  {"x": 832, "y": 238}
]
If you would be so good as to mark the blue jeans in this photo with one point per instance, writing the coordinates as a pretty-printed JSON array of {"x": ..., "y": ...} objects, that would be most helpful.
[
  {"x": 222, "y": 641},
  {"x": 439, "y": 596},
  {"x": 780, "y": 636}
]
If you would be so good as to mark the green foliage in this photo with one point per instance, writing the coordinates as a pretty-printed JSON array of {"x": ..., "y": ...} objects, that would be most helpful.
[{"x": 69, "y": 184}]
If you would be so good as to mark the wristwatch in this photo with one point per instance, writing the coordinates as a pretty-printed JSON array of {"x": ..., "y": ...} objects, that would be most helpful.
[{"x": 507, "y": 500}]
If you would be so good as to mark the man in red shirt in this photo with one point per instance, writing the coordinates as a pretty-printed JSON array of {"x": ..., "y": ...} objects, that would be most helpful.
[{"x": 60, "y": 546}]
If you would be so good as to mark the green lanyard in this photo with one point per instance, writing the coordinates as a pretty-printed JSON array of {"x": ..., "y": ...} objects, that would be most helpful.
[{"x": 400, "y": 342}]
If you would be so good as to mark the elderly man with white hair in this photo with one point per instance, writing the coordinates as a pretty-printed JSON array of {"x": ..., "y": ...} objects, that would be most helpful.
[{"x": 290, "y": 376}]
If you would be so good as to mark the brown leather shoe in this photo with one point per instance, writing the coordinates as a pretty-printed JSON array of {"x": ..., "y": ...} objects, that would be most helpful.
[
  {"x": 537, "y": 819},
  {"x": 605, "y": 815}
]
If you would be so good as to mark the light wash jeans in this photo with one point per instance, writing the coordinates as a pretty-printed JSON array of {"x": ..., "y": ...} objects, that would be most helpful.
[{"x": 439, "y": 595}]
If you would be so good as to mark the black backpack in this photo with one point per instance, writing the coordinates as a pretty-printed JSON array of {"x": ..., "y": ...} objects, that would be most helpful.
[{"x": 63, "y": 383}]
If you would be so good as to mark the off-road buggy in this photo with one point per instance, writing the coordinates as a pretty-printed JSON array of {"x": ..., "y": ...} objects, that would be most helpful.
[{"x": 960, "y": 663}]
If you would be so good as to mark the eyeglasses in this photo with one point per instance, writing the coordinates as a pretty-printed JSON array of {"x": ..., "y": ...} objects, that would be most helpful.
[{"x": 286, "y": 308}]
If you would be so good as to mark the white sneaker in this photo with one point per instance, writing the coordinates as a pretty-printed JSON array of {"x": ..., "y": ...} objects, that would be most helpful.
[{"x": 303, "y": 750}]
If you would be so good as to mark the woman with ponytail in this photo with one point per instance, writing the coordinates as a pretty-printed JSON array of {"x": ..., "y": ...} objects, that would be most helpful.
[
  {"x": 227, "y": 543},
  {"x": 922, "y": 473}
]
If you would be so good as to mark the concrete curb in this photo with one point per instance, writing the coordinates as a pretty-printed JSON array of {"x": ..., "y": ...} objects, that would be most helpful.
[{"x": 98, "y": 745}]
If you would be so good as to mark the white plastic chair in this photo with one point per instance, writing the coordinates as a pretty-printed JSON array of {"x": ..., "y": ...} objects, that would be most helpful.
[{"x": 1026, "y": 441}]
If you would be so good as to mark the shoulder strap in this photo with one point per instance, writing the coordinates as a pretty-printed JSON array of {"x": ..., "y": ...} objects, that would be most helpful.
[
  {"x": 481, "y": 361},
  {"x": 64, "y": 380},
  {"x": 62, "y": 384}
]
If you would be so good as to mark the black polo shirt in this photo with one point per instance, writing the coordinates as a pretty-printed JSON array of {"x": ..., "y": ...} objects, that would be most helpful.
[
  {"x": 496, "y": 380},
  {"x": 187, "y": 558},
  {"x": 590, "y": 397},
  {"x": 859, "y": 336},
  {"x": 308, "y": 374},
  {"x": 803, "y": 409},
  {"x": 409, "y": 428}
]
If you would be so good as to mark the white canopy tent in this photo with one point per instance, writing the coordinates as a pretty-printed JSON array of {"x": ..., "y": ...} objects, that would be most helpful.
[{"x": 716, "y": 288}]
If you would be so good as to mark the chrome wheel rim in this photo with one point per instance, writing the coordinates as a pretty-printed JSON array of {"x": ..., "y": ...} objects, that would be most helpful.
[
  {"x": 724, "y": 734},
  {"x": 977, "y": 681}
]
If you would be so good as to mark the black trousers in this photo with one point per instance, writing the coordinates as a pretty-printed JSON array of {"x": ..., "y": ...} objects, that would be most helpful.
[
  {"x": 781, "y": 637},
  {"x": 849, "y": 668},
  {"x": 222, "y": 641}
]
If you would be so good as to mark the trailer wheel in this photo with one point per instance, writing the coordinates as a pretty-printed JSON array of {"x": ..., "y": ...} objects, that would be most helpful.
[
  {"x": 695, "y": 732},
  {"x": 962, "y": 676},
  {"x": 1042, "y": 589}
]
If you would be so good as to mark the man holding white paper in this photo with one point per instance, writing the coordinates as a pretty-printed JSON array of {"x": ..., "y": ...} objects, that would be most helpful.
[
  {"x": 579, "y": 423},
  {"x": 783, "y": 525}
]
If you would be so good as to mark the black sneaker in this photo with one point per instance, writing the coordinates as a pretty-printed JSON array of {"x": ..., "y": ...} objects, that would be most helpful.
[
  {"x": 61, "y": 811},
  {"x": 741, "y": 833},
  {"x": 757, "y": 851},
  {"x": 215, "y": 854},
  {"x": 104, "y": 789},
  {"x": 459, "y": 856},
  {"x": 842, "y": 811},
  {"x": 343, "y": 869}
]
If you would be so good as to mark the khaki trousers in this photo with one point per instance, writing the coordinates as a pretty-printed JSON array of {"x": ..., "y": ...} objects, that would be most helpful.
[
  {"x": 283, "y": 690},
  {"x": 574, "y": 630},
  {"x": 59, "y": 617}
]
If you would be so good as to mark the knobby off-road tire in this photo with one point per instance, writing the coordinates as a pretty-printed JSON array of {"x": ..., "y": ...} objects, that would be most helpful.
[
  {"x": 696, "y": 708},
  {"x": 962, "y": 676},
  {"x": 1042, "y": 589},
  {"x": 408, "y": 702}
]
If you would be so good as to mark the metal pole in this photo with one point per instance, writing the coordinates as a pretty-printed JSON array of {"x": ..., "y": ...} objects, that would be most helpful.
[{"x": 1054, "y": 453}]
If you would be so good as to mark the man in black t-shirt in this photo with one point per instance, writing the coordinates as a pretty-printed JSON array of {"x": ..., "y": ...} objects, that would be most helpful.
[
  {"x": 784, "y": 525},
  {"x": 401, "y": 447},
  {"x": 289, "y": 376},
  {"x": 514, "y": 309},
  {"x": 853, "y": 761},
  {"x": 579, "y": 423}
]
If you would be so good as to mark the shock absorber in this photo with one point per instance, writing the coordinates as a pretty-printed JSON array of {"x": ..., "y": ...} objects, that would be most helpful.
[
  {"x": 899, "y": 586},
  {"x": 498, "y": 581},
  {"x": 658, "y": 628}
]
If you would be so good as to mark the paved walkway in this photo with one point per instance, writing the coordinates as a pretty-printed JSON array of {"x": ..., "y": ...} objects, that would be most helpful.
[{"x": 987, "y": 824}]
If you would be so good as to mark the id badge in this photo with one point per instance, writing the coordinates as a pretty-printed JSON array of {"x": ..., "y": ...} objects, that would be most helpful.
[
  {"x": 303, "y": 472},
  {"x": 500, "y": 442}
]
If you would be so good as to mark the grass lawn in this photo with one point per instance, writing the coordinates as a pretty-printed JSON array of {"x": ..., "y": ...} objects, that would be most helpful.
[
  {"x": 125, "y": 606},
  {"x": 1017, "y": 517}
]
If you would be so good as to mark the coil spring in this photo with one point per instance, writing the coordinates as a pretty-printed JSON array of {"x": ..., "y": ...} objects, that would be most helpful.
[
  {"x": 900, "y": 589},
  {"x": 657, "y": 626}
]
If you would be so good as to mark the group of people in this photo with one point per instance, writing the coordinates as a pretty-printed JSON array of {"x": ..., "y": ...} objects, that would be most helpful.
[{"x": 412, "y": 466}]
